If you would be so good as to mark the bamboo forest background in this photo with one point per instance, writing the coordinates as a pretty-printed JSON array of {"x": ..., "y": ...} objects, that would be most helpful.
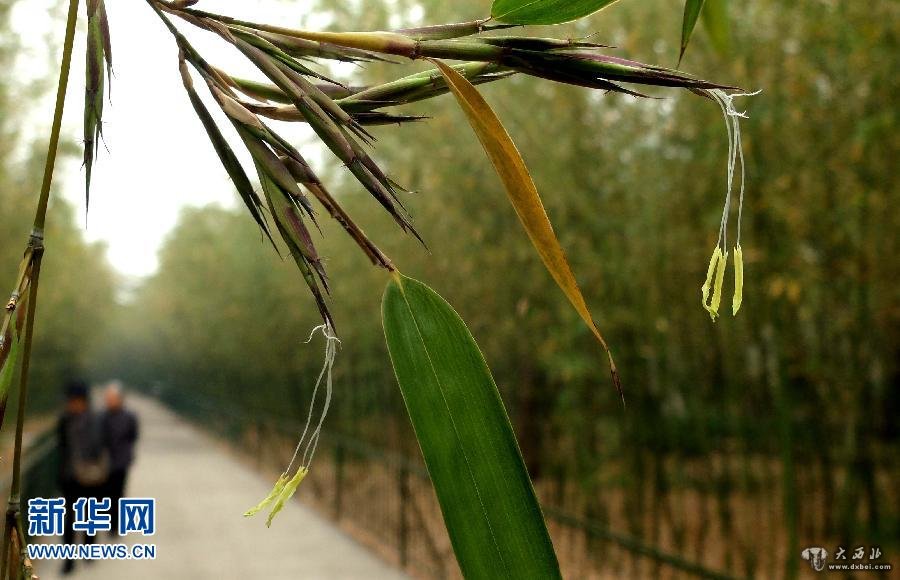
[{"x": 743, "y": 441}]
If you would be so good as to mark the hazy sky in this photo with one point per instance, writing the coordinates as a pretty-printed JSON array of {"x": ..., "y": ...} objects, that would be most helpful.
[{"x": 159, "y": 159}]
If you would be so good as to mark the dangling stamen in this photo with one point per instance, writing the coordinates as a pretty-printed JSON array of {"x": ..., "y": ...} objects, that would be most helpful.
[
  {"x": 331, "y": 342},
  {"x": 735, "y": 158},
  {"x": 286, "y": 485}
]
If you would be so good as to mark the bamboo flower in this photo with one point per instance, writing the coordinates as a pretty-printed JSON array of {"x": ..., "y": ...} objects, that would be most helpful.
[
  {"x": 285, "y": 488},
  {"x": 338, "y": 114}
]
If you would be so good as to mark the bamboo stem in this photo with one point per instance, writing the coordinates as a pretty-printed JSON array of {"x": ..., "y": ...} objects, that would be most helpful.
[
  {"x": 13, "y": 510},
  {"x": 44, "y": 198},
  {"x": 15, "y": 488}
]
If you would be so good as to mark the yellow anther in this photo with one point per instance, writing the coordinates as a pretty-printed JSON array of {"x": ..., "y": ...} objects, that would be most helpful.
[
  {"x": 704, "y": 290},
  {"x": 286, "y": 493},
  {"x": 717, "y": 289},
  {"x": 708, "y": 285},
  {"x": 738, "y": 280},
  {"x": 276, "y": 491}
]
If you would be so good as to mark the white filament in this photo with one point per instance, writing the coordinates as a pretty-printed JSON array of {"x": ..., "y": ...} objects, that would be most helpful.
[
  {"x": 735, "y": 157},
  {"x": 309, "y": 444}
]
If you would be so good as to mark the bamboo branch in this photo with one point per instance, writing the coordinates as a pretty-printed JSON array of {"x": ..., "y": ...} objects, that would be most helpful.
[{"x": 44, "y": 198}]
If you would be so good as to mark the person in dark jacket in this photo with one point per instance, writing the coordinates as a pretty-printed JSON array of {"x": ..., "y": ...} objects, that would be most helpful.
[
  {"x": 120, "y": 433},
  {"x": 83, "y": 464}
]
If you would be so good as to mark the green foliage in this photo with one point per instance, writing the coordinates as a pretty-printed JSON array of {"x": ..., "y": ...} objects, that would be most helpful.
[
  {"x": 486, "y": 496},
  {"x": 544, "y": 11}
]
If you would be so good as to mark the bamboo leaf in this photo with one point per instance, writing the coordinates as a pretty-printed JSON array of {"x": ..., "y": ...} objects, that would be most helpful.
[
  {"x": 692, "y": 10},
  {"x": 544, "y": 11},
  {"x": 523, "y": 195},
  {"x": 489, "y": 505}
]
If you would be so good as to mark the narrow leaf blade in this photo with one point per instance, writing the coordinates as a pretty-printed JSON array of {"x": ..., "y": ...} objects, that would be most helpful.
[
  {"x": 692, "y": 10},
  {"x": 544, "y": 11},
  {"x": 489, "y": 505},
  {"x": 522, "y": 194}
]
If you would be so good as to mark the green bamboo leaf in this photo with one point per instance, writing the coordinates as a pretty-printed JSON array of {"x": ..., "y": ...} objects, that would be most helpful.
[
  {"x": 717, "y": 23},
  {"x": 524, "y": 196},
  {"x": 692, "y": 10},
  {"x": 489, "y": 505},
  {"x": 544, "y": 11}
]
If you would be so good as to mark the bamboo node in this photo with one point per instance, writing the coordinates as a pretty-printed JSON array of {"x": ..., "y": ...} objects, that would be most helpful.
[
  {"x": 36, "y": 239},
  {"x": 13, "y": 301}
]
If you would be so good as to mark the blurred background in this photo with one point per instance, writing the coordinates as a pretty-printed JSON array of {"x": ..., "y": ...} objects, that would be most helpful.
[{"x": 743, "y": 441}]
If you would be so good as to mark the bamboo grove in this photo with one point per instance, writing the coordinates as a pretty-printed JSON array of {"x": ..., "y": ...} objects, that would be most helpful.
[{"x": 345, "y": 117}]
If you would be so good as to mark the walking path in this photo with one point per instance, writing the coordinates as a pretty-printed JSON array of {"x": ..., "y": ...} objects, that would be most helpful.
[{"x": 201, "y": 492}]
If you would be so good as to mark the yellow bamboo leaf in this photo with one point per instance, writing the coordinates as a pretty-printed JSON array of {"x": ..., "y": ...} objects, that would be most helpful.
[{"x": 522, "y": 194}]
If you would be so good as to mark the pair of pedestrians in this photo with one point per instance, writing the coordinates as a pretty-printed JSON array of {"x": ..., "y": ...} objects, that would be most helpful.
[{"x": 96, "y": 452}]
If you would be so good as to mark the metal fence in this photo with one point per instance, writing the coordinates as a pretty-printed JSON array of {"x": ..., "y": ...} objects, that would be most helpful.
[
  {"x": 385, "y": 500},
  {"x": 39, "y": 468}
]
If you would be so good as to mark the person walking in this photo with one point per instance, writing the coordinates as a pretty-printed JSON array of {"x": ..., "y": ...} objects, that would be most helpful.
[
  {"x": 120, "y": 433},
  {"x": 83, "y": 465}
]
